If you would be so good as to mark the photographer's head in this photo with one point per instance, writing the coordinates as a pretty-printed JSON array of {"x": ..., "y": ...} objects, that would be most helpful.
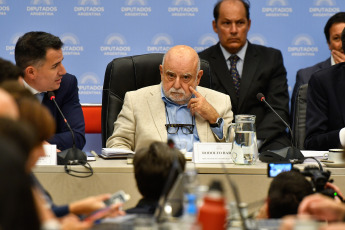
[
  {"x": 286, "y": 192},
  {"x": 152, "y": 166}
]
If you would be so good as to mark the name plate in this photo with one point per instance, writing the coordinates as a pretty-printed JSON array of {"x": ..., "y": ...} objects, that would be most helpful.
[
  {"x": 212, "y": 152},
  {"x": 50, "y": 158}
]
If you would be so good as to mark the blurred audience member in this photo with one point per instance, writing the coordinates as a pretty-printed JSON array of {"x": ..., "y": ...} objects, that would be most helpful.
[
  {"x": 285, "y": 193},
  {"x": 8, "y": 107},
  {"x": 152, "y": 166},
  {"x": 9, "y": 71}
]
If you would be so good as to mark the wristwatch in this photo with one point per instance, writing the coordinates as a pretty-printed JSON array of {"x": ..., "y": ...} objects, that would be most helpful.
[{"x": 218, "y": 123}]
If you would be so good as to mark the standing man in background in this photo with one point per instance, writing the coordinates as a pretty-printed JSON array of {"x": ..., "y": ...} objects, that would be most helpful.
[
  {"x": 332, "y": 30},
  {"x": 242, "y": 70},
  {"x": 39, "y": 55}
]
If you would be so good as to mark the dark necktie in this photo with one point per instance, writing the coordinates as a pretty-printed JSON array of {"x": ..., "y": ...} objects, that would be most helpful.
[{"x": 234, "y": 73}]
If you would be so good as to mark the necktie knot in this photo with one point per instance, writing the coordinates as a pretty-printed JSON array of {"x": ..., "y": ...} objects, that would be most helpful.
[{"x": 234, "y": 59}]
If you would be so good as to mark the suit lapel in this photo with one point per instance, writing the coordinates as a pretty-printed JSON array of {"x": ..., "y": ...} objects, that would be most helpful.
[
  {"x": 219, "y": 67},
  {"x": 251, "y": 63},
  {"x": 156, "y": 105}
]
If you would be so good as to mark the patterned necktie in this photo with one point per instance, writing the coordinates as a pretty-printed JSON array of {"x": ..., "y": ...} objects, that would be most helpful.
[{"x": 234, "y": 73}]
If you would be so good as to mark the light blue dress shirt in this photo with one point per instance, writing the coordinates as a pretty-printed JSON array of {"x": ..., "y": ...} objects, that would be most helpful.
[{"x": 180, "y": 114}]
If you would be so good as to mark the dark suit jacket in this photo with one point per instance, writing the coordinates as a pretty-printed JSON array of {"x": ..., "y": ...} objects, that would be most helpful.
[
  {"x": 68, "y": 100},
  {"x": 325, "y": 108},
  {"x": 263, "y": 72},
  {"x": 303, "y": 76}
]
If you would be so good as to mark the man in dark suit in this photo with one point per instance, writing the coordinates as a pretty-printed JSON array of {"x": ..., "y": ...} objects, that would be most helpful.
[
  {"x": 258, "y": 70},
  {"x": 39, "y": 55},
  {"x": 325, "y": 125},
  {"x": 332, "y": 30}
]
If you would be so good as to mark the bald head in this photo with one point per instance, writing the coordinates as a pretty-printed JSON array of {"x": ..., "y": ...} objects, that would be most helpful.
[
  {"x": 8, "y": 106},
  {"x": 180, "y": 69}
]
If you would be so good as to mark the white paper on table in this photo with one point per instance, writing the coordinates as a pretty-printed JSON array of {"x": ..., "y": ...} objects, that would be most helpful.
[{"x": 51, "y": 156}]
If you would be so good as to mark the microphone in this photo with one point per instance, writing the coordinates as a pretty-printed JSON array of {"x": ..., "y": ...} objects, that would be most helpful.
[
  {"x": 72, "y": 155},
  {"x": 284, "y": 154}
]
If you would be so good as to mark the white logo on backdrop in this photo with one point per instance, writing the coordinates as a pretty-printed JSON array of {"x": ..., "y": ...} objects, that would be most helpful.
[
  {"x": 135, "y": 2},
  {"x": 183, "y": 8},
  {"x": 89, "y": 78},
  {"x": 277, "y": 8},
  {"x": 136, "y": 8},
  {"x": 160, "y": 43},
  {"x": 324, "y": 2},
  {"x": 116, "y": 39},
  {"x": 277, "y": 2},
  {"x": 303, "y": 45},
  {"x": 71, "y": 44},
  {"x": 89, "y": 2},
  {"x": 41, "y": 2},
  {"x": 42, "y": 8},
  {"x": 89, "y": 84},
  {"x": 162, "y": 40},
  {"x": 183, "y": 2},
  {"x": 4, "y": 8},
  {"x": 257, "y": 39},
  {"x": 13, "y": 40},
  {"x": 115, "y": 45},
  {"x": 324, "y": 8},
  {"x": 206, "y": 41}
]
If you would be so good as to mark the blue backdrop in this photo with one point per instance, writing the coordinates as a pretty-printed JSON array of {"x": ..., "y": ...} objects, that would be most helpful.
[{"x": 97, "y": 31}]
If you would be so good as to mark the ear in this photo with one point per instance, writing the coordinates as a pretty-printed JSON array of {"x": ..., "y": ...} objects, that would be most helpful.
[
  {"x": 201, "y": 72},
  {"x": 214, "y": 26},
  {"x": 30, "y": 73},
  {"x": 161, "y": 71}
]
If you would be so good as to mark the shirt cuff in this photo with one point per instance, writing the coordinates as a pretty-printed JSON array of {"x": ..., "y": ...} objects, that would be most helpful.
[
  {"x": 218, "y": 130},
  {"x": 342, "y": 137}
]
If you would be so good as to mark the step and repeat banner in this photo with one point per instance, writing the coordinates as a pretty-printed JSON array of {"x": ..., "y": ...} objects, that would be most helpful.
[{"x": 97, "y": 31}]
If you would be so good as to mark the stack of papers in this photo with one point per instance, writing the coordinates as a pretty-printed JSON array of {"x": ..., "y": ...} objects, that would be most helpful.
[{"x": 111, "y": 153}]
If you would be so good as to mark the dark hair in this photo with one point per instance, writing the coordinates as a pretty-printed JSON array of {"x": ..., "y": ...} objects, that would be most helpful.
[
  {"x": 152, "y": 167},
  {"x": 343, "y": 39},
  {"x": 216, "y": 8},
  {"x": 18, "y": 208},
  {"x": 337, "y": 18},
  {"x": 31, "y": 48},
  {"x": 286, "y": 192},
  {"x": 9, "y": 71}
]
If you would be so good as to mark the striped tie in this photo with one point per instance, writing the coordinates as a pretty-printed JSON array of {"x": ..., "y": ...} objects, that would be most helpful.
[{"x": 234, "y": 73}]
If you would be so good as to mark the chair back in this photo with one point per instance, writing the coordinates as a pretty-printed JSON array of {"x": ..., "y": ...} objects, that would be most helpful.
[
  {"x": 299, "y": 121},
  {"x": 131, "y": 73}
]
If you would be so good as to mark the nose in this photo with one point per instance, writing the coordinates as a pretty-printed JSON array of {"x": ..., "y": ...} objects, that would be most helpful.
[
  {"x": 233, "y": 28},
  {"x": 62, "y": 70},
  {"x": 177, "y": 83}
]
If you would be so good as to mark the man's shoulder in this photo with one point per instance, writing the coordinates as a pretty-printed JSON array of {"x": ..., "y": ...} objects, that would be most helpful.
[
  {"x": 206, "y": 53},
  {"x": 311, "y": 69},
  {"x": 151, "y": 88},
  {"x": 262, "y": 49}
]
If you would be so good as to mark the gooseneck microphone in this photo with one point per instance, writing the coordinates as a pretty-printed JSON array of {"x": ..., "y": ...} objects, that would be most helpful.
[
  {"x": 285, "y": 154},
  {"x": 72, "y": 155}
]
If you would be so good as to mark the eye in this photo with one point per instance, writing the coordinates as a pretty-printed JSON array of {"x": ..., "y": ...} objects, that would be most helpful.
[{"x": 186, "y": 78}]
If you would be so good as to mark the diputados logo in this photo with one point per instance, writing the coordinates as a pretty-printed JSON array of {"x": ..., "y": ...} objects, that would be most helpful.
[
  {"x": 89, "y": 84},
  {"x": 136, "y": 8},
  {"x": 71, "y": 44},
  {"x": 183, "y": 8},
  {"x": 160, "y": 43},
  {"x": 115, "y": 44},
  {"x": 89, "y": 8},
  {"x": 4, "y": 8},
  {"x": 257, "y": 39},
  {"x": 277, "y": 8},
  {"x": 206, "y": 41},
  {"x": 11, "y": 46},
  {"x": 303, "y": 45},
  {"x": 42, "y": 8},
  {"x": 324, "y": 8}
]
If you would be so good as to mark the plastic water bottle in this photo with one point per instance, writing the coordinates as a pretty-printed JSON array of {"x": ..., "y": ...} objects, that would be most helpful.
[{"x": 213, "y": 213}]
